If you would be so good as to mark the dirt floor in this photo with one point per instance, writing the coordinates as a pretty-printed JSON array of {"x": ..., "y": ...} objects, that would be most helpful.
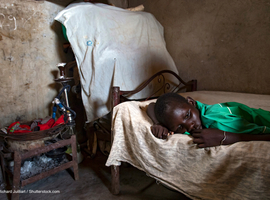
[{"x": 94, "y": 184}]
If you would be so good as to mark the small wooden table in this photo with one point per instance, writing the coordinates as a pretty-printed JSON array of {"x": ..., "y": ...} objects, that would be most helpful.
[{"x": 19, "y": 156}]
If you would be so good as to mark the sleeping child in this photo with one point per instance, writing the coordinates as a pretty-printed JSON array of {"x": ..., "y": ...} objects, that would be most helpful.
[{"x": 209, "y": 125}]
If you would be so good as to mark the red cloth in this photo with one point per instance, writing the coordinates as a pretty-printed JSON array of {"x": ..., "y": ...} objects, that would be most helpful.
[
  {"x": 18, "y": 128},
  {"x": 47, "y": 125},
  {"x": 61, "y": 120}
]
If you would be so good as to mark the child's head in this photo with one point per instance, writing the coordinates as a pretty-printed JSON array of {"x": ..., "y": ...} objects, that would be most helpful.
[{"x": 177, "y": 113}]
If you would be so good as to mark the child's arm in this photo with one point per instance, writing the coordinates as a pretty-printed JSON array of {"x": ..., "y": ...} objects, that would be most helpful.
[
  {"x": 214, "y": 137},
  {"x": 157, "y": 130}
]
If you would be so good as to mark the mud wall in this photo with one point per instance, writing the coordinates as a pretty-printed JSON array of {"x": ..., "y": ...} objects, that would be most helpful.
[
  {"x": 225, "y": 45},
  {"x": 31, "y": 46}
]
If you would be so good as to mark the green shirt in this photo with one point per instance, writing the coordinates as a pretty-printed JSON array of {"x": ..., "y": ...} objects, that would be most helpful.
[{"x": 235, "y": 117}]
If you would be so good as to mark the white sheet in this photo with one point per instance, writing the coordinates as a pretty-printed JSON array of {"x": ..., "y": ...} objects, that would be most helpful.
[
  {"x": 113, "y": 47},
  {"x": 237, "y": 171}
]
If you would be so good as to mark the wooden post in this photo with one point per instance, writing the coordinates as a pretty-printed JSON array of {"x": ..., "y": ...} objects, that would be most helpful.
[
  {"x": 115, "y": 169},
  {"x": 16, "y": 176},
  {"x": 115, "y": 179}
]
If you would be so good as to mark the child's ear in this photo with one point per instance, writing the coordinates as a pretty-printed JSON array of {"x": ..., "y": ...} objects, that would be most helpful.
[{"x": 191, "y": 101}]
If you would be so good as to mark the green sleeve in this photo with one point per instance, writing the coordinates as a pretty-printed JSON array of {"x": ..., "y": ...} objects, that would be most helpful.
[{"x": 233, "y": 117}]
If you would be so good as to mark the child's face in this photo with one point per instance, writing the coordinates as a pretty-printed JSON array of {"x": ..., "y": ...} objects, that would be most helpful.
[{"x": 183, "y": 118}]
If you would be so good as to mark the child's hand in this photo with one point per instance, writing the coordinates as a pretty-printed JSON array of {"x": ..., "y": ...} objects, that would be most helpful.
[
  {"x": 160, "y": 131},
  {"x": 207, "y": 137}
]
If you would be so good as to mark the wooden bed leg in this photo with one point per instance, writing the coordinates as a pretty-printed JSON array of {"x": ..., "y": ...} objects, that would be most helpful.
[
  {"x": 16, "y": 176},
  {"x": 115, "y": 179}
]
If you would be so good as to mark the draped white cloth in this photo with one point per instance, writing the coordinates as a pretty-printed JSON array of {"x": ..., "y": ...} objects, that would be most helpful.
[
  {"x": 113, "y": 47},
  {"x": 237, "y": 171}
]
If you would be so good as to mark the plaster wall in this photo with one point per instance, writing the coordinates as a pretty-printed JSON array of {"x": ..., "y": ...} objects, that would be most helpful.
[
  {"x": 225, "y": 45},
  {"x": 30, "y": 48}
]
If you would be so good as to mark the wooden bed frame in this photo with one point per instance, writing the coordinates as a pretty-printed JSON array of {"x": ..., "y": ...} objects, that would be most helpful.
[{"x": 119, "y": 96}]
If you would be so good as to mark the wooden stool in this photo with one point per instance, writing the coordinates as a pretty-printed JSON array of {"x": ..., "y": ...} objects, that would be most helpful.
[{"x": 19, "y": 156}]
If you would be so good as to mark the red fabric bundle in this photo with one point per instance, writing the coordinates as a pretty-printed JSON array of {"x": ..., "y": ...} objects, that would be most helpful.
[{"x": 18, "y": 128}]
